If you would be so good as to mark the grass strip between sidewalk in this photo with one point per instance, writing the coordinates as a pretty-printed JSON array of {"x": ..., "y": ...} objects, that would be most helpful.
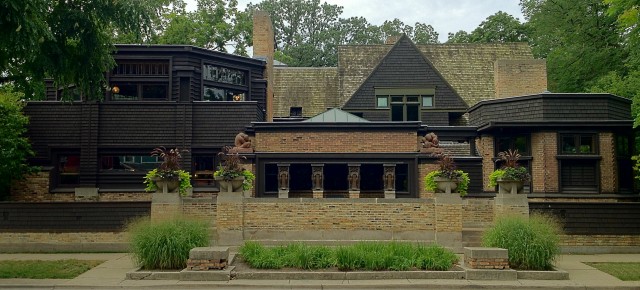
[
  {"x": 37, "y": 269},
  {"x": 624, "y": 271}
]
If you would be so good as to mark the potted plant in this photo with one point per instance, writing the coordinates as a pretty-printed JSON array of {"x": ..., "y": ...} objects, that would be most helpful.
[
  {"x": 230, "y": 174},
  {"x": 447, "y": 179},
  {"x": 168, "y": 174},
  {"x": 511, "y": 177}
]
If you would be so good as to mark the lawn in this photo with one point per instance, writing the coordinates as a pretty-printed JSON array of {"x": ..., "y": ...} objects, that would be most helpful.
[
  {"x": 37, "y": 269},
  {"x": 622, "y": 271}
]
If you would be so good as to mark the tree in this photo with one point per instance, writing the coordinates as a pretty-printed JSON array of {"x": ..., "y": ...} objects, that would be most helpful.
[
  {"x": 51, "y": 38},
  {"x": 308, "y": 32},
  {"x": 14, "y": 147},
  {"x": 578, "y": 39},
  {"x": 214, "y": 25},
  {"x": 499, "y": 27}
]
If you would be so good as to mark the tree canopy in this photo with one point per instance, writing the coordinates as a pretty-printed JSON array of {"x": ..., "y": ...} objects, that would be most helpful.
[
  {"x": 46, "y": 38},
  {"x": 14, "y": 147}
]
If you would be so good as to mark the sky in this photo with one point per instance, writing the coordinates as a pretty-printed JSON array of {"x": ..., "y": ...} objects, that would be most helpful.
[{"x": 444, "y": 15}]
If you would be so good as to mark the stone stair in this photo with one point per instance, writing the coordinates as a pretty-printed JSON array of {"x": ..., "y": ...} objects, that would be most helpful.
[{"x": 472, "y": 237}]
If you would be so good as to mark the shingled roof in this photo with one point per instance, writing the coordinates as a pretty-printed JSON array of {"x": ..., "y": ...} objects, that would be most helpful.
[{"x": 468, "y": 68}]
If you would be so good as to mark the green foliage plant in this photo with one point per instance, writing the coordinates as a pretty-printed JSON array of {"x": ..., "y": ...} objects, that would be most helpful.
[
  {"x": 511, "y": 170},
  {"x": 231, "y": 168},
  {"x": 447, "y": 169},
  {"x": 533, "y": 243},
  {"x": 169, "y": 169},
  {"x": 14, "y": 146},
  {"x": 166, "y": 244},
  {"x": 372, "y": 256}
]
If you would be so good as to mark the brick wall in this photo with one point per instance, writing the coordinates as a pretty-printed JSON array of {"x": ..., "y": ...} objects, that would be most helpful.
[
  {"x": 449, "y": 217},
  {"x": 35, "y": 188},
  {"x": 339, "y": 215},
  {"x": 332, "y": 141},
  {"x": 544, "y": 165},
  {"x": 124, "y": 196},
  {"x": 520, "y": 77},
  {"x": 423, "y": 170},
  {"x": 205, "y": 208},
  {"x": 608, "y": 164},
  {"x": 485, "y": 149},
  {"x": 477, "y": 212},
  {"x": 62, "y": 238}
]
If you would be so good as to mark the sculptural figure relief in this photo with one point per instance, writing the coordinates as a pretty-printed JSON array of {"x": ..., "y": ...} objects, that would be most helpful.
[
  {"x": 242, "y": 144},
  {"x": 430, "y": 144}
]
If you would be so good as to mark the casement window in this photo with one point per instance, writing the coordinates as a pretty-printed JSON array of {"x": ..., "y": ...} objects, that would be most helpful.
[
  {"x": 129, "y": 163},
  {"x": 404, "y": 104},
  {"x": 221, "y": 94},
  {"x": 223, "y": 84},
  {"x": 139, "y": 91},
  {"x": 578, "y": 161},
  {"x": 68, "y": 167},
  {"x": 516, "y": 142},
  {"x": 578, "y": 144},
  {"x": 140, "y": 80},
  {"x": 203, "y": 166}
]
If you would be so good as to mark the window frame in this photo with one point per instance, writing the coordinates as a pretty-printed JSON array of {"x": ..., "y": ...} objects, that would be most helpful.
[
  {"x": 393, "y": 95},
  {"x": 577, "y": 138}
]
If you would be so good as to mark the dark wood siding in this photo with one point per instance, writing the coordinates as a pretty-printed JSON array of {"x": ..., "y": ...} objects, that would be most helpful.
[
  {"x": 579, "y": 175},
  {"x": 215, "y": 124},
  {"x": 53, "y": 125},
  {"x": 70, "y": 216},
  {"x": 472, "y": 166},
  {"x": 142, "y": 124},
  {"x": 551, "y": 107},
  {"x": 597, "y": 218}
]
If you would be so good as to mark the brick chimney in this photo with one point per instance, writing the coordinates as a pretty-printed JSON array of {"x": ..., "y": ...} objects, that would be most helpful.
[{"x": 264, "y": 46}]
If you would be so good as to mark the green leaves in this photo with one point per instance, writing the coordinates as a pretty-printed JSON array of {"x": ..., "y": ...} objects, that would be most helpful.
[{"x": 14, "y": 147}]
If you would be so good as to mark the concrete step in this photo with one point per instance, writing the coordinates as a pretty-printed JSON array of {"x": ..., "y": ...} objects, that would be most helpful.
[{"x": 472, "y": 237}]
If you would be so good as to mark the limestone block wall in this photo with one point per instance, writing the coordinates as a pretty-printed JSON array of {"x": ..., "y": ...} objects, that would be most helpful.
[
  {"x": 520, "y": 77},
  {"x": 333, "y": 141},
  {"x": 544, "y": 167},
  {"x": 608, "y": 163}
]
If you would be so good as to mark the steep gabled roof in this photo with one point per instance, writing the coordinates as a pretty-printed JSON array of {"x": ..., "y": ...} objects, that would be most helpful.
[
  {"x": 336, "y": 115},
  {"x": 405, "y": 66}
]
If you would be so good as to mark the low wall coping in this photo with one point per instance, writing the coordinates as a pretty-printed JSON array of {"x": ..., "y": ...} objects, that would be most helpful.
[{"x": 485, "y": 253}]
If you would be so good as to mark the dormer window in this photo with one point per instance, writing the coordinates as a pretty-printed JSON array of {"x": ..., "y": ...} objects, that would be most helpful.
[
  {"x": 140, "y": 80},
  {"x": 405, "y": 104}
]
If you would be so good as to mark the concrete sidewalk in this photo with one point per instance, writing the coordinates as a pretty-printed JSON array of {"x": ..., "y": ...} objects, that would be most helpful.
[{"x": 111, "y": 275}]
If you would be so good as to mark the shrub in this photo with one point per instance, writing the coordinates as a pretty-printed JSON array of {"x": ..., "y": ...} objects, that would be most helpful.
[
  {"x": 533, "y": 243},
  {"x": 166, "y": 244}
]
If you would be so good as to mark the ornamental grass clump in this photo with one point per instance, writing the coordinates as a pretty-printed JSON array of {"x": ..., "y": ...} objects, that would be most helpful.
[
  {"x": 373, "y": 256},
  {"x": 533, "y": 243},
  {"x": 166, "y": 244}
]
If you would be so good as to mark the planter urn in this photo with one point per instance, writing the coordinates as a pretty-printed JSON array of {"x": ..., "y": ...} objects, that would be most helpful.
[
  {"x": 234, "y": 185},
  {"x": 446, "y": 185},
  {"x": 508, "y": 186},
  {"x": 171, "y": 184}
]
